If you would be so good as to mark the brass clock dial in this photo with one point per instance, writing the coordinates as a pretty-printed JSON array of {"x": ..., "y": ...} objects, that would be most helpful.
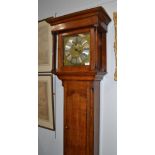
[{"x": 77, "y": 50}]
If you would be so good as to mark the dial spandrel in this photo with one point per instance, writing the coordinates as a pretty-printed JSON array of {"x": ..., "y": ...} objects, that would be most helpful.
[{"x": 77, "y": 50}]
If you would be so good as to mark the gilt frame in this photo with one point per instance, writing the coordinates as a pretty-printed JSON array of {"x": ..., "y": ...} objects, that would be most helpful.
[{"x": 115, "y": 44}]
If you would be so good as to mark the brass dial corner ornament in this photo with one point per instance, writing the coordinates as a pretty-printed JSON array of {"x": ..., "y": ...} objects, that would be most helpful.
[{"x": 77, "y": 50}]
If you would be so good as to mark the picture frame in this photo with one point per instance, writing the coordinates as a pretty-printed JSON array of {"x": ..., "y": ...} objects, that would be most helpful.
[
  {"x": 44, "y": 47},
  {"x": 45, "y": 101},
  {"x": 115, "y": 43}
]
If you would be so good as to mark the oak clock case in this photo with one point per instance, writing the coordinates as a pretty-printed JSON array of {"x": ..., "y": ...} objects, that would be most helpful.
[{"x": 81, "y": 67}]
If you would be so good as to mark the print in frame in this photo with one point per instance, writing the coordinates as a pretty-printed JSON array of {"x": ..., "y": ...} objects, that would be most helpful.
[
  {"x": 44, "y": 47},
  {"x": 45, "y": 101}
]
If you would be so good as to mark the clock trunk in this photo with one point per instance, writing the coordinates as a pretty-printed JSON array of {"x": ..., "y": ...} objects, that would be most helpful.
[{"x": 81, "y": 117}]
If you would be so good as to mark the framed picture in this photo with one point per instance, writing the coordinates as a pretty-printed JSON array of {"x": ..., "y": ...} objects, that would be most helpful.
[
  {"x": 44, "y": 47},
  {"x": 45, "y": 102},
  {"x": 115, "y": 44}
]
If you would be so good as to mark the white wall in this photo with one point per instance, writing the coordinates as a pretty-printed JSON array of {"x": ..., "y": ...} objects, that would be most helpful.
[{"x": 50, "y": 142}]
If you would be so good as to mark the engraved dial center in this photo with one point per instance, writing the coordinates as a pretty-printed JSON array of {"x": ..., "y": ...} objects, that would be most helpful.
[{"x": 76, "y": 49}]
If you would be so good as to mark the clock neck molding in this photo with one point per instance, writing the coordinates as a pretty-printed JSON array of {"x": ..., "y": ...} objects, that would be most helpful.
[{"x": 80, "y": 62}]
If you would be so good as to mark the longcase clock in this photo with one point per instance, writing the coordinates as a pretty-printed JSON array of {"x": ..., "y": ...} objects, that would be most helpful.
[{"x": 81, "y": 66}]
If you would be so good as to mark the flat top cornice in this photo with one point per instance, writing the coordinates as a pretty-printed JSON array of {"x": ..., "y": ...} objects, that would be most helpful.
[{"x": 98, "y": 11}]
